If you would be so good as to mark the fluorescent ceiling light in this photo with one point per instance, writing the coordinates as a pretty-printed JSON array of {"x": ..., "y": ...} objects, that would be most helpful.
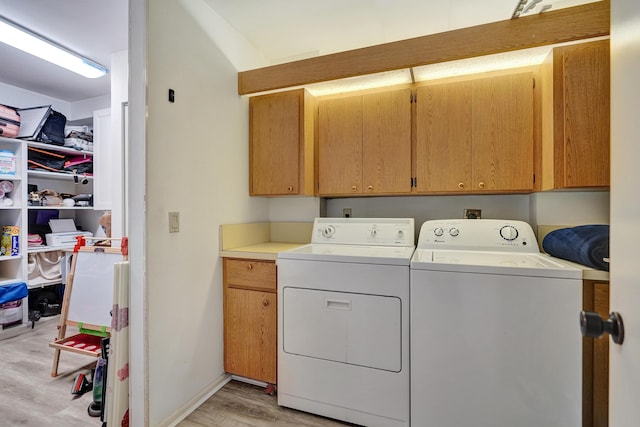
[{"x": 26, "y": 40}]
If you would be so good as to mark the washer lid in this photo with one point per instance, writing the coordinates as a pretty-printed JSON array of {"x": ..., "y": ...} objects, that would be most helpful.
[
  {"x": 521, "y": 264},
  {"x": 362, "y": 254}
]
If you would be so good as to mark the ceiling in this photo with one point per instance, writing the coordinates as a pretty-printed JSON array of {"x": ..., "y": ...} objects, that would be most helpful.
[{"x": 282, "y": 30}]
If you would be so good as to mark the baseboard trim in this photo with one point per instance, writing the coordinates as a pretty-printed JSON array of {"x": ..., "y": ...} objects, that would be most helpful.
[{"x": 186, "y": 409}]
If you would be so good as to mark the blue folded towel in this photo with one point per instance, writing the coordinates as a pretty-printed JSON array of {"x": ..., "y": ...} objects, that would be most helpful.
[{"x": 585, "y": 244}]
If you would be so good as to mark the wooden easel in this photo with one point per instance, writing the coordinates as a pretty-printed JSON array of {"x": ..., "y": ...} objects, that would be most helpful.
[{"x": 89, "y": 307}]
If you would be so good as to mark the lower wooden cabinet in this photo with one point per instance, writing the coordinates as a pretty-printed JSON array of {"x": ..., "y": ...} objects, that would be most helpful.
[
  {"x": 595, "y": 359},
  {"x": 250, "y": 319}
]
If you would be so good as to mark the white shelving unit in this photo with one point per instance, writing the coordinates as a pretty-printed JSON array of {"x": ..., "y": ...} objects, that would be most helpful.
[
  {"x": 61, "y": 182},
  {"x": 13, "y": 268}
]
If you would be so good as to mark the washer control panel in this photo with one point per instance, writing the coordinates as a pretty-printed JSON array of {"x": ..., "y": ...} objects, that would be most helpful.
[
  {"x": 364, "y": 231},
  {"x": 478, "y": 234}
]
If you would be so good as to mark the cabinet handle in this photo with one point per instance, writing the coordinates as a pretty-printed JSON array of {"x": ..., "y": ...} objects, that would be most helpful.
[
  {"x": 265, "y": 302},
  {"x": 249, "y": 267},
  {"x": 461, "y": 185},
  {"x": 354, "y": 188},
  {"x": 370, "y": 188},
  {"x": 481, "y": 184},
  {"x": 290, "y": 189}
]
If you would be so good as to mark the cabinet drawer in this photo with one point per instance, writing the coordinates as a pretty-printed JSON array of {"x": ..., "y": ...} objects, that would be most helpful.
[{"x": 248, "y": 273}]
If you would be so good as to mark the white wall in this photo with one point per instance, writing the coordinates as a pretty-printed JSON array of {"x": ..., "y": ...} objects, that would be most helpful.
[
  {"x": 549, "y": 208},
  {"x": 83, "y": 110},
  {"x": 295, "y": 209},
  {"x": 22, "y": 98},
  {"x": 570, "y": 208},
  {"x": 196, "y": 164},
  {"x": 423, "y": 208}
]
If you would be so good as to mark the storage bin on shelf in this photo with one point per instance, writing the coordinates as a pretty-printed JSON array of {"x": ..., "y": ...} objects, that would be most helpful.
[{"x": 11, "y": 302}]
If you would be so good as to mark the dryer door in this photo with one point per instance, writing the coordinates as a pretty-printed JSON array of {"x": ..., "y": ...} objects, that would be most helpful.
[{"x": 357, "y": 329}]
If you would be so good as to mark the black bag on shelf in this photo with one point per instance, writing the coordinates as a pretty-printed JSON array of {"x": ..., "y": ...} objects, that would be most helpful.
[
  {"x": 53, "y": 129},
  {"x": 45, "y": 160}
]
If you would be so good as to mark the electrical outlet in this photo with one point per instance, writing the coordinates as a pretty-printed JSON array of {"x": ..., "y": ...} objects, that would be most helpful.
[
  {"x": 472, "y": 213},
  {"x": 346, "y": 212}
]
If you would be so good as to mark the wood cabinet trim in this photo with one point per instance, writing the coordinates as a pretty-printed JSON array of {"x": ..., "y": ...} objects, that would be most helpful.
[
  {"x": 595, "y": 359},
  {"x": 556, "y": 26}
]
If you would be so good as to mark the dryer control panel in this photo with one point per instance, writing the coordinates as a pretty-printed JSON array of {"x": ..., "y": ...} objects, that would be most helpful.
[
  {"x": 364, "y": 231},
  {"x": 478, "y": 235}
]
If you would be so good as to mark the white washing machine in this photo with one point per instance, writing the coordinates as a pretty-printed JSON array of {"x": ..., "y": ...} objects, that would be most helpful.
[
  {"x": 343, "y": 321},
  {"x": 495, "y": 340}
]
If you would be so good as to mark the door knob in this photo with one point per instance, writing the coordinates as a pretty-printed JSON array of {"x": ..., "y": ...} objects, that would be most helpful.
[{"x": 592, "y": 325}]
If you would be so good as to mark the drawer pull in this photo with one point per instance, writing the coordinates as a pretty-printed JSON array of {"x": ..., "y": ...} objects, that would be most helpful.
[
  {"x": 370, "y": 188},
  {"x": 290, "y": 189},
  {"x": 461, "y": 185},
  {"x": 265, "y": 302},
  {"x": 354, "y": 188},
  {"x": 481, "y": 184},
  {"x": 249, "y": 267}
]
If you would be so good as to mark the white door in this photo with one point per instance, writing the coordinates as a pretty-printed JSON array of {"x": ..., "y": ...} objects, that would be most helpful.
[{"x": 625, "y": 210}]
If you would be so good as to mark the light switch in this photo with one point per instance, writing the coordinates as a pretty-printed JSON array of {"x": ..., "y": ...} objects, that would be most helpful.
[{"x": 174, "y": 222}]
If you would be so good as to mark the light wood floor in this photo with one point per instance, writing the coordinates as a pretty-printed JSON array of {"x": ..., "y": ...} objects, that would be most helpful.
[
  {"x": 29, "y": 396},
  {"x": 239, "y": 404}
]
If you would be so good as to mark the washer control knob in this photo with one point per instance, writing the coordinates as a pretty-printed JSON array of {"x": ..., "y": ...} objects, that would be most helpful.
[
  {"x": 374, "y": 232},
  {"x": 328, "y": 231},
  {"x": 438, "y": 231},
  {"x": 400, "y": 233},
  {"x": 509, "y": 232},
  {"x": 454, "y": 232}
]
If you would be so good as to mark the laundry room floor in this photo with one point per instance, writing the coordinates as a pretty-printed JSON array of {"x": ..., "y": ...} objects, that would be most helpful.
[
  {"x": 29, "y": 396},
  {"x": 239, "y": 404}
]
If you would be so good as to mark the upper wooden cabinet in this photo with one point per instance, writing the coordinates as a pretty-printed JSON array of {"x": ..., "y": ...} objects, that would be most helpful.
[
  {"x": 281, "y": 144},
  {"x": 476, "y": 135},
  {"x": 576, "y": 110},
  {"x": 364, "y": 144}
]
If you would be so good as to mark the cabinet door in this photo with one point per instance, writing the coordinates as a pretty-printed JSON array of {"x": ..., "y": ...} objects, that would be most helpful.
[
  {"x": 443, "y": 137},
  {"x": 340, "y": 146},
  {"x": 502, "y": 111},
  {"x": 601, "y": 359},
  {"x": 250, "y": 337},
  {"x": 386, "y": 138},
  {"x": 595, "y": 359},
  {"x": 275, "y": 132},
  {"x": 582, "y": 109}
]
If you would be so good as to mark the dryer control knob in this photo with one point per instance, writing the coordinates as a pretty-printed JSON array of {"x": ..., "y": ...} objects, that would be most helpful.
[
  {"x": 509, "y": 232},
  {"x": 374, "y": 232},
  {"x": 454, "y": 232},
  {"x": 438, "y": 231},
  {"x": 328, "y": 231}
]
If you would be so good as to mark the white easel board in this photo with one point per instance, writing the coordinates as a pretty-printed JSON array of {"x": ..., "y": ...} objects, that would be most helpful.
[{"x": 91, "y": 301}]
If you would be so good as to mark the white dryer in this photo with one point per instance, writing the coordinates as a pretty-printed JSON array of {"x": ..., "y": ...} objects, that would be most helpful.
[
  {"x": 495, "y": 340},
  {"x": 343, "y": 321}
]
